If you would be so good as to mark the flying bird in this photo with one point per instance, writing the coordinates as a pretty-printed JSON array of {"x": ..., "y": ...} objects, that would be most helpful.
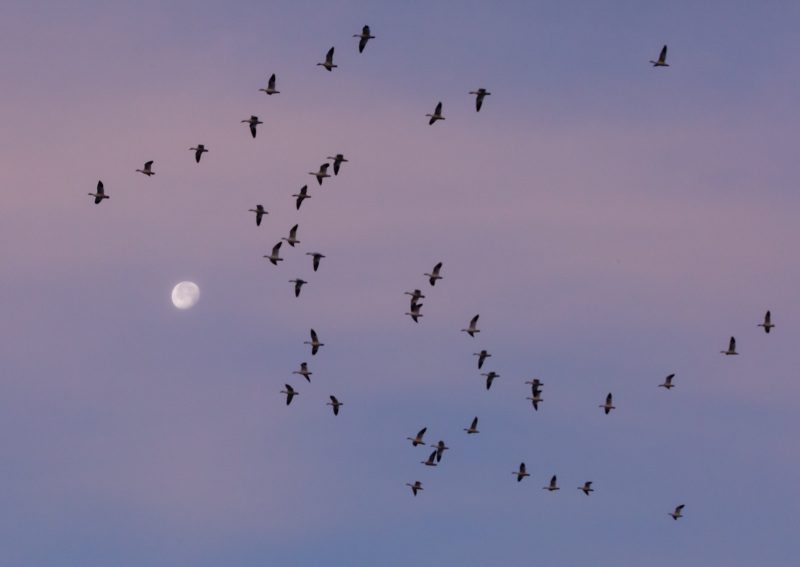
[
  {"x": 416, "y": 295},
  {"x": 365, "y": 37},
  {"x": 334, "y": 403},
  {"x": 437, "y": 115},
  {"x": 301, "y": 196},
  {"x": 322, "y": 173},
  {"x": 198, "y": 152},
  {"x": 314, "y": 342},
  {"x": 662, "y": 58},
  {"x": 260, "y": 212},
  {"x": 490, "y": 376},
  {"x": 328, "y": 60},
  {"x": 298, "y": 284},
  {"x": 148, "y": 169},
  {"x": 338, "y": 159},
  {"x": 431, "y": 462},
  {"x": 433, "y": 276},
  {"x": 274, "y": 258},
  {"x": 607, "y": 407},
  {"x": 677, "y": 512},
  {"x": 480, "y": 94},
  {"x": 418, "y": 439},
  {"x": 535, "y": 397},
  {"x": 587, "y": 487},
  {"x": 292, "y": 240},
  {"x": 417, "y": 486},
  {"x": 440, "y": 449},
  {"x": 473, "y": 428},
  {"x": 253, "y": 121},
  {"x": 535, "y": 383},
  {"x": 731, "y": 348},
  {"x": 552, "y": 486},
  {"x": 270, "y": 90},
  {"x": 482, "y": 356},
  {"x": 767, "y": 324},
  {"x": 304, "y": 371},
  {"x": 415, "y": 312},
  {"x": 668, "y": 382},
  {"x": 315, "y": 258},
  {"x": 473, "y": 327},
  {"x": 290, "y": 393},
  {"x": 100, "y": 194},
  {"x": 521, "y": 473}
]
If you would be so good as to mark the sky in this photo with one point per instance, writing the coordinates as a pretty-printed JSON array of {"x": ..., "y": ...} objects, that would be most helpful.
[{"x": 611, "y": 223}]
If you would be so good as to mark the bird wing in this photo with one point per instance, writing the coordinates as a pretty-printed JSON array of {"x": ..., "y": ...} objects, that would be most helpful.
[
  {"x": 271, "y": 83},
  {"x": 100, "y": 190},
  {"x": 293, "y": 232},
  {"x": 436, "y": 269},
  {"x": 474, "y": 321},
  {"x": 662, "y": 57},
  {"x": 329, "y": 56},
  {"x": 313, "y": 336},
  {"x": 679, "y": 508},
  {"x": 522, "y": 468},
  {"x": 421, "y": 432},
  {"x": 276, "y": 248},
  {"x": 438, "y": 110},
  {"x": 324, "y": 168},
  {"x": 431, "y": 457},
  {"x": 365, "y": 30},
  {"x": 608, "y": 399},
  {"x": 148, "y": 165},
  {"x": 768, "y": 318},
  {"x": 362, "y": 43},
  {"x": 732, "y": 344},
  {"x": 474, "y": 423}
]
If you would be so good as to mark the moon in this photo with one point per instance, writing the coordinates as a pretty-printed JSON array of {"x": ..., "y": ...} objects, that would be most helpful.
[{"x": 185, "y": 295}]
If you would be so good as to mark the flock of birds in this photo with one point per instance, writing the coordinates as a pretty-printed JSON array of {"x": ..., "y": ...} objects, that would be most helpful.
[{"x": 414, "y": 312}]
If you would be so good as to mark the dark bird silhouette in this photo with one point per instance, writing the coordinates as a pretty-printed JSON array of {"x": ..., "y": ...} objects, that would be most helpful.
[
  {"x": 198, "y": 152},
  {"x": 100, "y": 194},
  {"x": 364, "y": 38},
  {"x": 260, "y": 212},
  {"x": 480, "y": 94},
  {"x": 148, "y": 169},
  {"x": 437, "y": 115}
]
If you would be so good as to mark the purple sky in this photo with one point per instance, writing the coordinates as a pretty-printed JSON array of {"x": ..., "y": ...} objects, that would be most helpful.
[{"x": 612, "y": 223}]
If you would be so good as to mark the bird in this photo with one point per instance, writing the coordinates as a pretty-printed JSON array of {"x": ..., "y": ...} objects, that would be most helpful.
[
  {"x": 437, "y": 115},
  {"x": 298, "y": 284},
  {"x": 731, "y": 348},
  {"x": 677, "y": 512},
  {"x": 274, "y": 258},
  {"x": 535, "y": 383},
  {"x": 304, "y": 371},
  {"x": 328, "y": 60},
  {"x": 587, "y": 487},
  {"x": 416, "y": 295},
  {"x": 198, "y": 152},
  {"x": 315, "y": 258},
  {"x": 482, "y": 356},
  {"x": 253, "y": 121},
  {"x": 260, "y": 212},
  {"x": 314, "y": 342},
  {"x": 270, "y": 90},
  {"x": 100, "y": 194},
  {"x": 365, "y": 37},
  {"x": 440, "y": 449},
  {"x": 552, "y": 486},
  {"x": 490, "y": 376},
  {"x": 535, "y": 398},
  {"x": 473, "y": 428},
  {"x": 417, "y": 486},
  {"x": 431, "y": 462},
  {"x": 607, "y": 406},
  {"x": 148, "y": 169},
  {"x": 472, "y": 329},
  {"x": 668, "y": 382},
  {"x": 301, "y": 196},
  {"x": 662, "y": 58},
  {"x": 767, "y": 324},
  {"x": 434, "y": 275},
  {"x": 418, "y": 439},
  {"x": 338, "y": 159},
  {"x": 322, "y": 173},
  {"x": 292, "y": 240},
  {"x": 334, "y": 403},
  {"x": 290, "y": 393},
  {"x": 414, "y": 313},
  {"x": 480, "y": 93},
  {"x": 521, "y": 473}
]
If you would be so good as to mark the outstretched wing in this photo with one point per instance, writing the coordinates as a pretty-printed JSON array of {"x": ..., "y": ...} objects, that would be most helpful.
[
  {"x": 662, "y": 57},
  {"x": 271, "y": 83}
]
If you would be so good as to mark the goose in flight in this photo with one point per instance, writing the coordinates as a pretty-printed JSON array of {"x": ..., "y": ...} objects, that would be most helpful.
[
  {"x": 668, "y": 382},
  {"x": 328, "y": 60},
  {"x": 415, "y": 312},
  {"x": 260, "y": 212},
  {"x": 100, "y": 194},
  {"x": 490, "y": 376},
  {"x": 338, "y": 159},
  {"x": 416, "y": 487},
  {"x": 334, "y": 403},
  {"x": 298, "y": 284},
  {"x": 482, "y": 356},
  {"x": 473, "y": 327},
  {"x": 662, "y": 58},
  {"x": 433, "y": 276},
  {"x": 418, "y": 439},
  {"x": 253, "y": 121},
  {"x": 290, "y": 393},
  {"x": 552, "y": 486},
  {"x": 473, "y": 428},
  {"x": 301, "y": 196},
  {"x": 364, "y": 38},
  {"x": 148, "y": 169},
  {"x": 535, "y": 398},
  {"x": 322, "y": 173},
  {"x": 607, "y": 407},
  {"x": 767, "y": 324},
  {"x": 521, "y": 473},
  {"x": 437, "y": 115},
  {"x": 677, "y": 512},
  {"x": 731, "y": 348},
  {"x": 274, "y": 258},
  {"x": 587, "y": 487},
  {"x": 198, "y": 152},
  {"x": 431, "y": 462},
  {"x": 315, "y": 258},
  {"x": 480, "y": 94},
  {"x": 440, "y": 449},
  {"x": 314, "y": 342},
  {"x": 270, "y": 90},
  {"x": 292, "y": 240},
  {"x": 416, "y": 295},
  {"x": 304, "y": 371}
]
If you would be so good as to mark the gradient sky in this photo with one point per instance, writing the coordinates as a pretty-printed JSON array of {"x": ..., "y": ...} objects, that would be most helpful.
[{"x": 612, "y": 223}]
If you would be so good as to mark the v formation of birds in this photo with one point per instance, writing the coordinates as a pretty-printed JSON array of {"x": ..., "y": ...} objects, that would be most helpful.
[{"x": 434, "y": 459}]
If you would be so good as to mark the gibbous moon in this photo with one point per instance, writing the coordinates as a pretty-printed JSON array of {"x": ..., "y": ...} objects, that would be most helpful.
[{"x": 185, "y": 295}]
